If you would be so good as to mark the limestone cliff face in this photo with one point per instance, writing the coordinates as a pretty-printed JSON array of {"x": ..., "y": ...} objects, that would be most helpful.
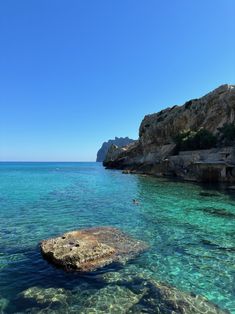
[
  {"x": 209, "y": 112},
  {"x": 157, "y": 131},
  {"x": 118, "y": 141}
]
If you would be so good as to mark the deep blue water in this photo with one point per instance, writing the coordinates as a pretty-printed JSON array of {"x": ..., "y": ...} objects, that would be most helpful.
[{"x": 190, "y": 229}]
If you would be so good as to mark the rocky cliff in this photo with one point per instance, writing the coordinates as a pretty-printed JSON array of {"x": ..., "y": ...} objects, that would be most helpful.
[
  {"x": 118, "y": 141},
  {"x": 158, "y": 131}
]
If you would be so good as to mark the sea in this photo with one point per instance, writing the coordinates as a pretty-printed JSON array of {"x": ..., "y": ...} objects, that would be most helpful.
[{"x": 190, "y": 230}]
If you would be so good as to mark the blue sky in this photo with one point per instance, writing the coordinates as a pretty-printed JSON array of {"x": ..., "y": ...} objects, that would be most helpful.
[{"x": 76, "y": 73}]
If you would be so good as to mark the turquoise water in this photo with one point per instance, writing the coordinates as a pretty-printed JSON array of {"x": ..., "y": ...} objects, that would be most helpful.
[{"x": 190, "y": 229}]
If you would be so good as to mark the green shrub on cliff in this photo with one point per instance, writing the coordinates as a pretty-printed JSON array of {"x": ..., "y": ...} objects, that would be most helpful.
[
  {"x": 193, "y": 140},
  {"x": 227, "y": 133}
]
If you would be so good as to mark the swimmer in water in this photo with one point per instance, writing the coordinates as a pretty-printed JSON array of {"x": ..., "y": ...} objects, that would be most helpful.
[{"x": 135, "y": 202}]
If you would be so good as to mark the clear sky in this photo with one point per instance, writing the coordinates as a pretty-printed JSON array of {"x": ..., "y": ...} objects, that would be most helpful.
[{"x": 75, "y": 73}]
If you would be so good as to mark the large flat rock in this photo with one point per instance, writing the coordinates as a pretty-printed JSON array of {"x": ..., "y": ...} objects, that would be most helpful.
[{"x": 89, "y": 249}]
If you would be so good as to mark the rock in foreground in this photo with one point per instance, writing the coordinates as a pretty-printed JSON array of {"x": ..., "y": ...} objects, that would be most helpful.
[
  {"x": 155, "y": 297},
  {"x": 89, "y": 249}
]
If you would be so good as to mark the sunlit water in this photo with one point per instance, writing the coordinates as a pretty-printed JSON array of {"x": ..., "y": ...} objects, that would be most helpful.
[{"x": 190, "y": 229}]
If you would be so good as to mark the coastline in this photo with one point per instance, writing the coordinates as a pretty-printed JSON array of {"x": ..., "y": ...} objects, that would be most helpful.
[{"x": 195, "y": 141}]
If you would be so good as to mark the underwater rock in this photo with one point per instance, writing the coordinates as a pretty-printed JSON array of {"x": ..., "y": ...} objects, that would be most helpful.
[
  {"x": 217, "y": 246},
  {"x": 231, "y": 187},
  {"x": 209, "y": 194},
  {"x": 162, "y": 298},
  {"x": 89, "y": 249},
  {"x": 126, "y": 275},
  {"x": 3, "y": 304},
  {"x": 47, "y": 310},
  {"x": 158, "y": 297},
  {"x": 111, "y": 300},
  {"x": 45, "y": 296},
  {"x": 220, "y": 212}
]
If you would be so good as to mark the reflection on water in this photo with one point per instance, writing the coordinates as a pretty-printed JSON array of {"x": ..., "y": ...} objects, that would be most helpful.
[{"x": 190, "y": 228}]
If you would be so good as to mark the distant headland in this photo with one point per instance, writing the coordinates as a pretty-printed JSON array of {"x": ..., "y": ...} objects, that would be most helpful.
[{"x": 118, "y": 141}]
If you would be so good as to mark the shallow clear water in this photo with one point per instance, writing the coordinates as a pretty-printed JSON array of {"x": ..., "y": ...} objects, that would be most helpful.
[{"x": 190, "y": 229}]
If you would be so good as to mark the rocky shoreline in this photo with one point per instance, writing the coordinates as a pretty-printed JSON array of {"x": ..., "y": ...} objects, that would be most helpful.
[{"x": 193, "y": 142}]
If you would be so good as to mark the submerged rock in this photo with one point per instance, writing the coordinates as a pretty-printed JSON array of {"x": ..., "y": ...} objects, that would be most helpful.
[
  {"x": 111, "y": 300},
  {"x": 157, "y": 297},
  {"x": 216, "y": 246},
  {"x": 209, "y": 194},
  {"x": 3, "y": 304},
  {"x": 47, "y": 310},
  {"x": 45, "y": 296},
  {"x": 220, "y": 212},
  {"x": 127, "y": 275},
  {"x": 231, "y": 187},
  {"x": 161, "y": 298},
  {"x": 128, "y": 291},
  {"x": 89, "y": 249}
]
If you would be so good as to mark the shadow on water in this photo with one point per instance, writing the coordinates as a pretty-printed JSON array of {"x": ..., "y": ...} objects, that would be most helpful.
[
  {"x": 217, "y": 212},
  {"x": 206, "y": 189},
  {"x": 216, "y": 190}
]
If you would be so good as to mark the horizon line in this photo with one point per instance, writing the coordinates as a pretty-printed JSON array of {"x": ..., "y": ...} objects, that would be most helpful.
[{"x": 2, "y": 161}]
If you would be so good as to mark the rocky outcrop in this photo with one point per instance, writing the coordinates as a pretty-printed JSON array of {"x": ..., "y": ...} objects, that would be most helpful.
[
  {"x": 118, "y": 141},
  {"x": 210, "y": 112},
  {"x": 90, "y": 249},
  {"x": 157, "y": 132}
]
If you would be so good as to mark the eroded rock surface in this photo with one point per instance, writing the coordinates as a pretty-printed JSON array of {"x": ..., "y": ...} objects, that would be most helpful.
[{"x": 89, "y": 249}]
